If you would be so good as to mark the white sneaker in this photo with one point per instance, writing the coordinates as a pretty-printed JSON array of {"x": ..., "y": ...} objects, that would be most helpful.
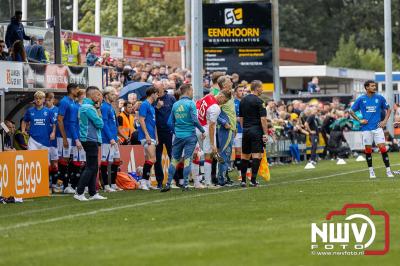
[
  {"x": 80, "y": 197},
  {"x": 116, "y": 188},
  {"x": 97, "y": 196},
  {"x": 199, "y": 186},
  {"x": 372, "y": 174},
  {"x": 143, "y": 184},
  {"x": 69, "y": 190},
  {"x": 212, "y": 186},
  {"x": 86, "y": 190},
  {"x": 107, "y": 188},
  {"x": 389, "y": 174}
]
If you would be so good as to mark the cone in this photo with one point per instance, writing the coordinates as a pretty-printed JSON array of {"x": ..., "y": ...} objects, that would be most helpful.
[
  {"x": 341, "y": 162},
  {"x": 309, "y": 166},
  {"x": 360, "y": 158}
]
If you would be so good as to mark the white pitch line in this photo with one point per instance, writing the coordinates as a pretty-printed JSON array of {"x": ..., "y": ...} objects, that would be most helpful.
[{"x": 70, "y": 216}]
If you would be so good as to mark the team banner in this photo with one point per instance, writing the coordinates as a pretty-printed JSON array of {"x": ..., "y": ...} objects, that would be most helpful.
[
  {"x": 155, "y": 51},
  {"x": 24, "y": 174},
  {"x": 41, "y": 76},
  {"x": 134, "y": 49},
  {"x": 11, "y": 75},
  {"x": 237, "y": 38}
]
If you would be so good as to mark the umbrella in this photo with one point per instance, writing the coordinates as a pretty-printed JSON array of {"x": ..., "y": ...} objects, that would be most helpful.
[{"x": 135, "y": 87}]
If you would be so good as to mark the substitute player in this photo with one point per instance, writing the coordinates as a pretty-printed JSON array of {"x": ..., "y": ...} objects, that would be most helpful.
[
  {"x": 41, "y": 124},
  {"x": 67, "y": 119},
  {"x": 148, "y": 135},
  {"x": 371, "y": 106},
  {"x": 208, "y": 109},
  {"x": 109, "y": 134},
  {"x": 237, "y": 142},
  {"x": 253, "y": 119}
]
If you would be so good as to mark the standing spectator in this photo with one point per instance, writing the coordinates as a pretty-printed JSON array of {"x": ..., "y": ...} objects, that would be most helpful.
[
  {"x": 235, "y": 80},
  {"x": 18, "y": 53},
  {"x": 91, "y": 57},
  {"x": 163, "y": 110},
  {"x": 104, "y": 59},
  {"x": 148, "y": 134},
  {"x": 126, "y": 123},
  {"x": 163, "y": 72},
  {"x": 214, "y": 78},
  {"x": 71, "y": 52},
  {"x": 311, "y": 125},
  {"x": 90, "y": 125},
  {"x": 15, "y": 30},
  {"x": 253, "y": 118},
  {"x": 3, "y": 54},
  {"x": 109, "y": 134},
  {"x": 312, "y": 86}
]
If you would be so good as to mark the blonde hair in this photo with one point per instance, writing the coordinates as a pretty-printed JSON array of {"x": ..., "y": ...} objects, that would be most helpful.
[{"x": 39, "y": 94}]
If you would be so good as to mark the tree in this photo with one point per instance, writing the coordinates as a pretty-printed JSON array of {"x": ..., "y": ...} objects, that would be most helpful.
[{"x": 347, "y": 54}]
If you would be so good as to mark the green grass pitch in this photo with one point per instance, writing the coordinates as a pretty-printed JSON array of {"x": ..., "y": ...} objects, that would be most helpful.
[{"x": 269, "y": 225}]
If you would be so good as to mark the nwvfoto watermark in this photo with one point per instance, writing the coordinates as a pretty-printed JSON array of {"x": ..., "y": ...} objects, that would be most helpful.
[{"x": 352, "y": 233}]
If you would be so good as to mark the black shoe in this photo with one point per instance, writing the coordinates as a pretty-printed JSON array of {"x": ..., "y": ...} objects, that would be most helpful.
[
  {"x": 243, "y": 184},
  {"x": 166, "y": 188},
  {"x": 185, "y": 188},
  {"x": 254, "y": 184}
]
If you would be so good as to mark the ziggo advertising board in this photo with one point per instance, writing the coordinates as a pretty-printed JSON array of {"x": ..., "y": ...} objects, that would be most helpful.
[{"x": 24, "y": 174}]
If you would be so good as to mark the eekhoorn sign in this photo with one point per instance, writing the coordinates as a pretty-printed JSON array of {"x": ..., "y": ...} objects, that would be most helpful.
[{"x": 237, "y": 38}]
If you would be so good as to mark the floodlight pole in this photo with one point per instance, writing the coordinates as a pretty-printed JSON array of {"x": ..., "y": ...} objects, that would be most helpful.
[
  {"x": 75, "y": 14},
  {"x": 57, "y": 31},
  {"x": 97, "y": 17},
  {"x": 275, "y": 49},
  {"x": 197, "y": 48},
  {"x": 120, "y": 17},
  {"x": 388, "y": 61}
]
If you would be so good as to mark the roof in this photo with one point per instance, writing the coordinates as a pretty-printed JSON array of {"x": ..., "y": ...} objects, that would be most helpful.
[
  {"x": 380, "y": 76},
  {"x": 325, "y": 71}
]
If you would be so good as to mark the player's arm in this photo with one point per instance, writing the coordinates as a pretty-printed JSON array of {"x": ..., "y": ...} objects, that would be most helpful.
[
  {"x": 211, "y": 132},
  {"x": 383, "y": 123},
  {"x": 144, "y": 128},
  {"x": 25, "y": 122},
  {"x": 195, "y": 118}
]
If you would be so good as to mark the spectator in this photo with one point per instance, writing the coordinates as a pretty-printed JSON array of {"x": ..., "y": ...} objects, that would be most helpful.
[
  {"x": 35, "y": 52},
  {"x": 3, "y": 54},
  {"x": 9, "y": 137},
  {"x": 18, "y": 53},
  {"x": 311, "y": 126},
  {"x": 312, "y": 86},
  {"x": 20, "y": 139},
  {"x": 104, "y": 60},
  {"x": 163, "y": 72},
  {"x": 46, "y": 53},
  {"x": 15, "y": 30},
  {"x": 71, "y": 52},
  {"x": 235, "y": 80},
  {"x": 126, "y": 123},
  {"x": 91, "y": 57}
]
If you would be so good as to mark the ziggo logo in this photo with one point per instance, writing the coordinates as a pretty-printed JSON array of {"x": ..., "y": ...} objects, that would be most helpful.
[{"x": 27, "y": 176}]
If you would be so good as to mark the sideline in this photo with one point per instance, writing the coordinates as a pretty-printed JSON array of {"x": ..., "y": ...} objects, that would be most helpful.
[{"x": 105, "y": 210}]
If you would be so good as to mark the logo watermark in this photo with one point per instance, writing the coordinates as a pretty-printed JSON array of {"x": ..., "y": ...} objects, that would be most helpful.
[{"x": 356, "y": 229}]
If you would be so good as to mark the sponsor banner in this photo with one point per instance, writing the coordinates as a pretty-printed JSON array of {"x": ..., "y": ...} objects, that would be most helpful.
[
  {"x": 134, "y": 49},
  {"x": 239, "y": 24},
  {"x": 24, "y": 174},
  {"x": 249, "y": 62},
  {"x": 114, "y": 45},
  {"x": 95, "y": 76},
  {"x": 11, "y": 75},
  {"x": 84, "y": 41},
  {"x": 155, "y": 51},
  {"x": 39, "y": 76}
]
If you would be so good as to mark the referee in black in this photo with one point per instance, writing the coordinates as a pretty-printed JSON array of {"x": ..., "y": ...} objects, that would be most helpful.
[{"x": 253, "y": 119}]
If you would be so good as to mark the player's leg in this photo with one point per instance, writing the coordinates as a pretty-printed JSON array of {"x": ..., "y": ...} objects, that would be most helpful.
[
  {"x": 379, "y": 138},
  {"x": 257, "y": 149},
  {"x": 246, "y": 155},
  {"x": 176, "y": 154},
  {"x": 150, "y": 157},
  {"x": 105, "y": 159},
  {"x": 238, "y": 150},
  {"x": 367, "y": 138},
  {"x": 115, "y": 155}
]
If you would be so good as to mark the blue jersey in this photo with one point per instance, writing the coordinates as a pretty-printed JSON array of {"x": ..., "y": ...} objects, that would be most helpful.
[
  {"x": 39, "y": 121},
  {"x": 110, "y": 130},
  {"x": 69, "y": 110},
  {"x": 147, "y": 111},
  {"x": 54, "y": 112},
  {"x": 371, "y": 109},
  {"x": 238, "y": 126}
]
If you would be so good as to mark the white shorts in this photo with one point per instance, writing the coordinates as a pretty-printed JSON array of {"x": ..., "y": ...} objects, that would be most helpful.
[
  {"x": 205, "y": 144},
  {"x": 53, "y": 153},
  {"x": 78, "y": 155},
  {"x": 109, "y": 152},
  {"x": 375, "y": 135},
  {"x": 33, "y": 145},
  {"x": 64, "y": 152},
  {"x": 237, "y": 142},
  {"x": 144, "y": 142}
]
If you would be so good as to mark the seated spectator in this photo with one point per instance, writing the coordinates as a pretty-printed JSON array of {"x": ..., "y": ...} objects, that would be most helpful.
[
  {"x": 91, "y": 57},
  {"x": 312, "y": 86},
  {"x": 3, "y": 54},
  {"x": 20, "y": 139},
  {"x": 9, "y": 137},
  {"x": 18, "y": 53},
  {"x": 35, "y": 52}
]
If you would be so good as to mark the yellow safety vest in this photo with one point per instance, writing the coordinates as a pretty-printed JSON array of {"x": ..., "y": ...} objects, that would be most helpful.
[{"x": 70, "y": 56}]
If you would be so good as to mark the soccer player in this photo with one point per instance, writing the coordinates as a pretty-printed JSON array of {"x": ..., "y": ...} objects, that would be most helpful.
[
  {"x": 41, "y": 124},
  {"x": 237, "y": 142},
  {"x": 371, "y": 106},
  {"x": 183, "y": 120},
  {"x": 253, "y": 119},
  {"x": 109, "y": 134},
  {"x": 147, "y": 135},
  {"x": 67, "y": 118},
  {"x": 78, "y": 161},
  {"x": 208, "y": 109},
  {"x": 53, "y": 152}
]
